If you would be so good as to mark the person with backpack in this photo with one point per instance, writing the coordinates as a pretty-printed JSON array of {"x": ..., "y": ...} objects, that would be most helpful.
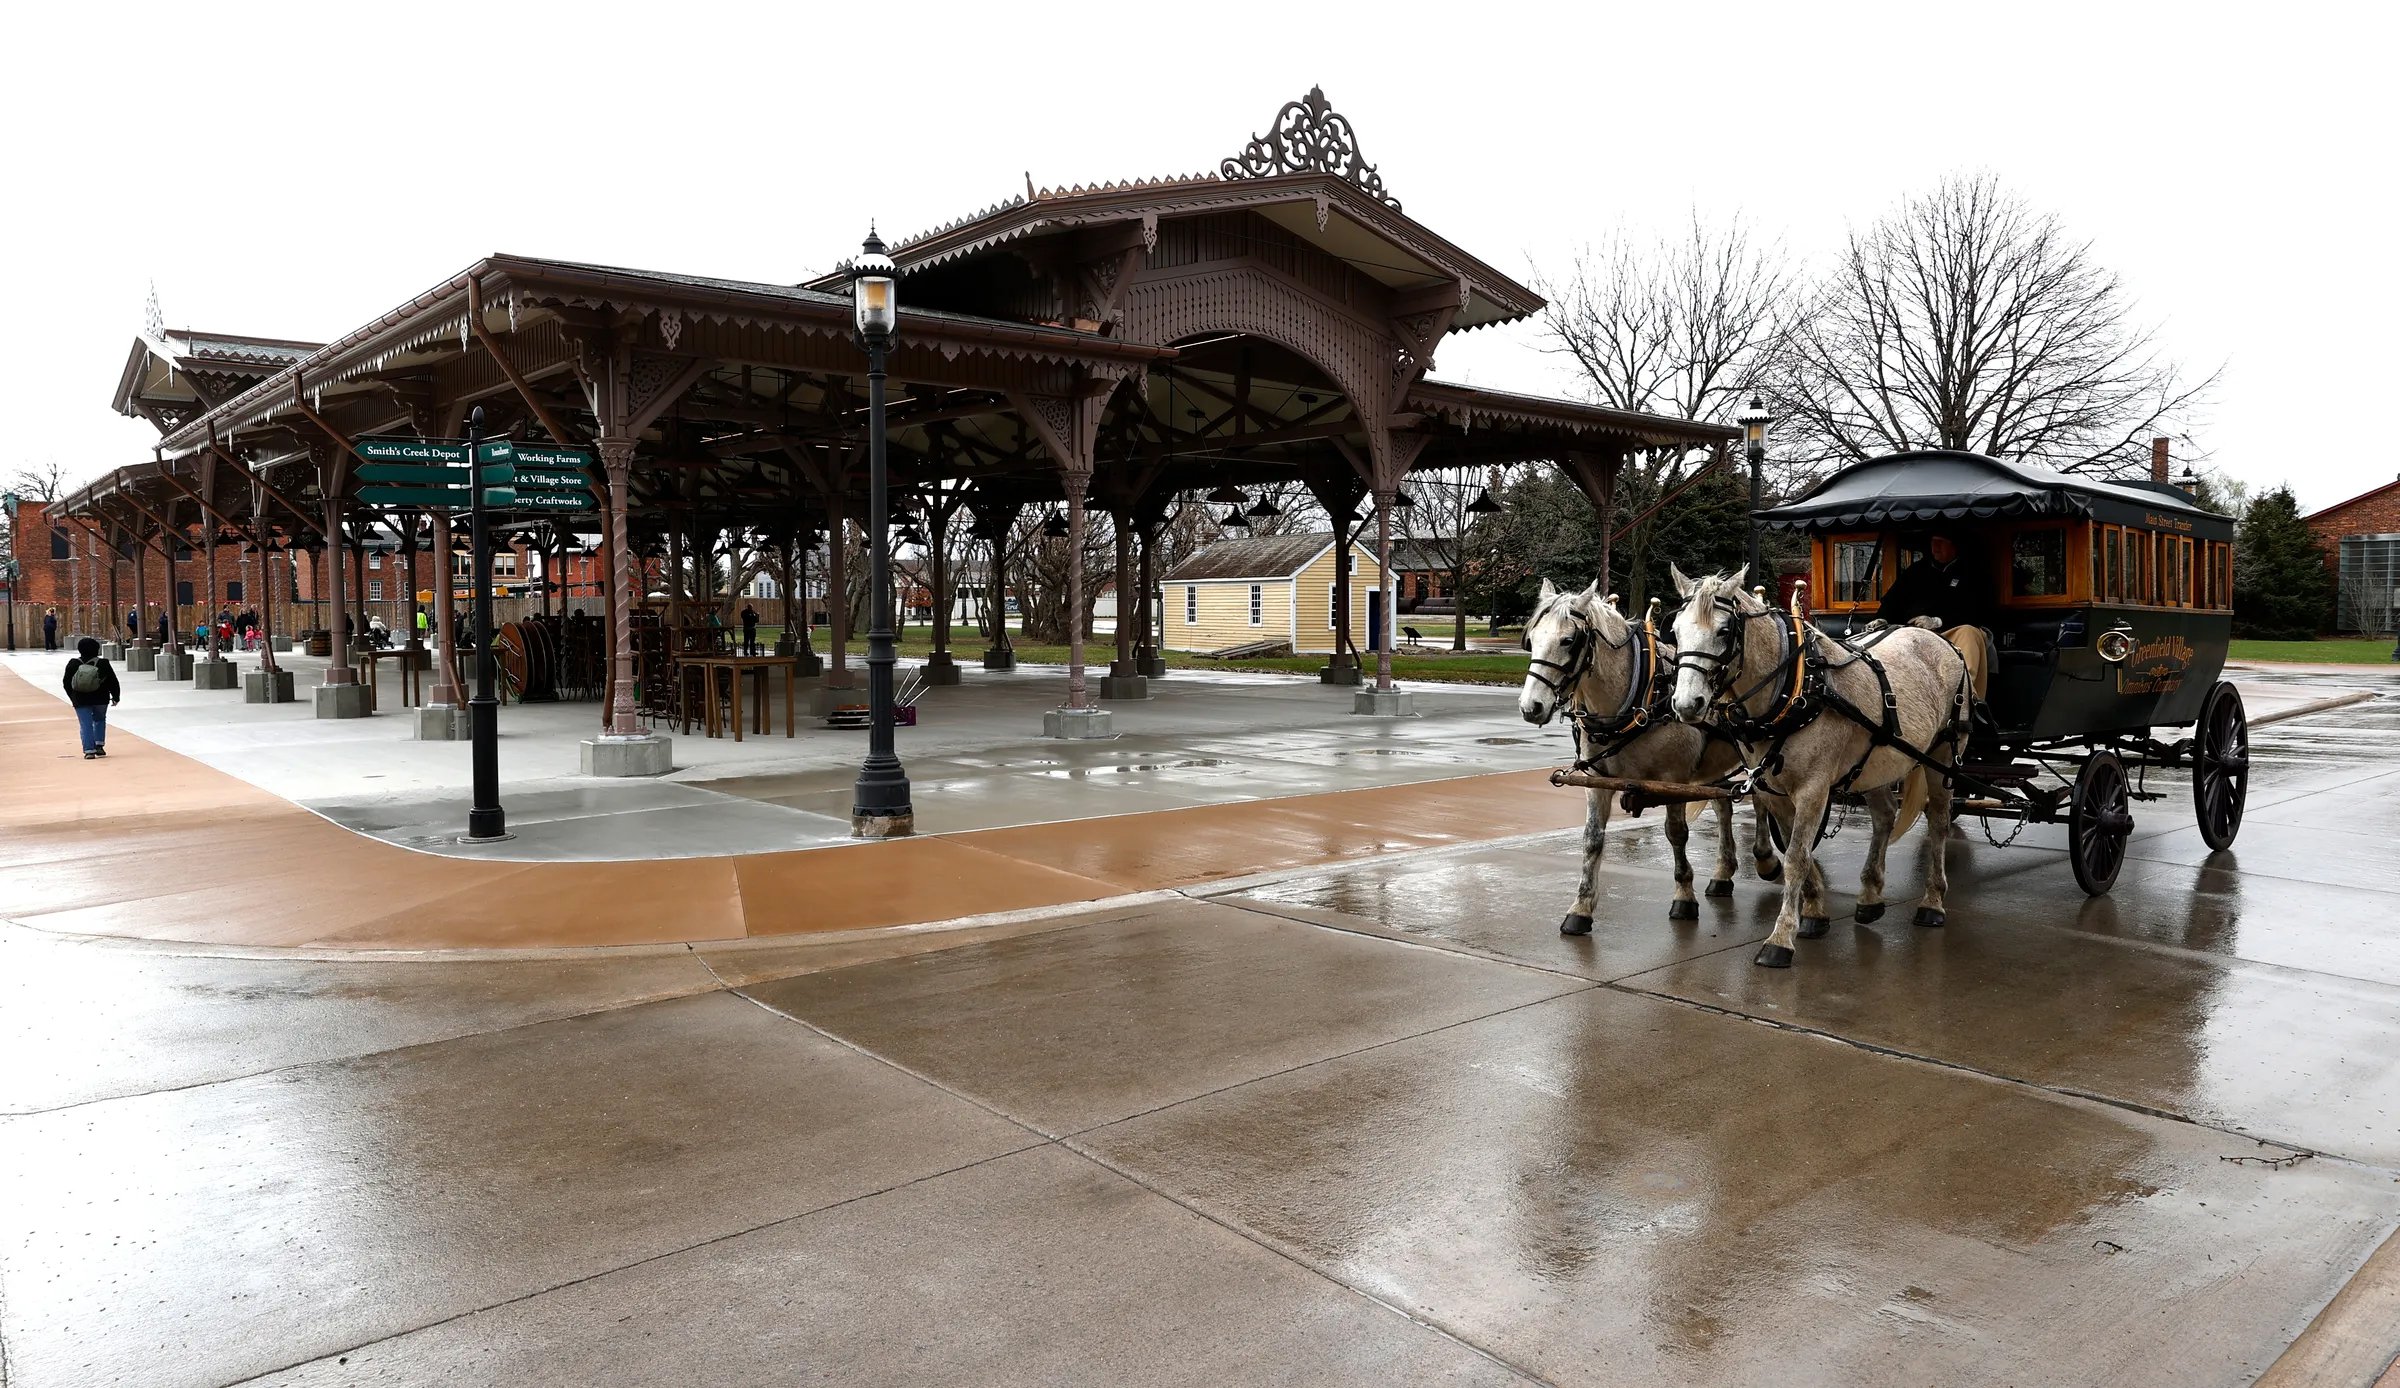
[{"x": 91, "y": 685}]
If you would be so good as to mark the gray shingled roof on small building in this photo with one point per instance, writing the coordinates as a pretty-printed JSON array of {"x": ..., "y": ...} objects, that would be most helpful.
[{"x": 1272, "y": 556}]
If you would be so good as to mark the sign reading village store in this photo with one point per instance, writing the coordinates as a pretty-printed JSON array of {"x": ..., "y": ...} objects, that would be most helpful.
[{"x": 434, "y": 475}]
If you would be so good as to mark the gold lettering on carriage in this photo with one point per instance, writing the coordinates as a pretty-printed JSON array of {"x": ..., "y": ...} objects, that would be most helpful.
[{"x": 2155, "y": 667}]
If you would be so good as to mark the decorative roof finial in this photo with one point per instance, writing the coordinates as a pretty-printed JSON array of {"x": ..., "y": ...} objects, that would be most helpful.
[
  {"x": 1308, "y": 136},
  {"x": 154, "y": 322}
]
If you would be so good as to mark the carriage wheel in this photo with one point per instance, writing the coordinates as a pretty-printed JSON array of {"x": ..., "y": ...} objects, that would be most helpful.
[
  {"x": 2098, "y": 822},
  {"x": 2221, "y": 766}
]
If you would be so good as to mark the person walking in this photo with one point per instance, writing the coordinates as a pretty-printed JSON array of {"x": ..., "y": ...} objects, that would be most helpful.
[
  {"x": 133, "y": 626},
  {"x": 749, "y": 630},
  {"x": 91, "y": 685},
  {"x": 50, "y": 630}
]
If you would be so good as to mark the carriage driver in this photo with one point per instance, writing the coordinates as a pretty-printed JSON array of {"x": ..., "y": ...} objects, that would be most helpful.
[{"x": 1945, "y": 585}]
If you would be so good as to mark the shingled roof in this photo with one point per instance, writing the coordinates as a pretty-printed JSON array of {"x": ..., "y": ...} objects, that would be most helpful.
[{"x": 1267, "y": 556}]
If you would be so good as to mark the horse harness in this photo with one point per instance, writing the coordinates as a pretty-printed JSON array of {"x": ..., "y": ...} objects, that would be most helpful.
[{"x": 1805, "y": 692}]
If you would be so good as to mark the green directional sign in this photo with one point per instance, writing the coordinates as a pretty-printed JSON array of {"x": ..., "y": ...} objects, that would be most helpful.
[
  {"x": 519, "y": 475},
  {"x": 413, "y": 475},
  {"x": 537, "y": 455},
  {"x": 556, "y": 501},
  {"x": 435, "y": 498},
  {"x": 499, "y": 498},
  {"x": 411, "y": 451}
]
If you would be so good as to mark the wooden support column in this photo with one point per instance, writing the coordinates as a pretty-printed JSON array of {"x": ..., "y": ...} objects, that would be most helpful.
[
  {"x": 141, "y": 590},
  {"x": 837, "y": 589},
  {"x": 616, "y": 459},
  {"x": 1147, "y": 662},
  {"x": 266, "y": 586},
  {"x": 1068, "y": 427},
  {"x": 338, "y": 640},
  {"x": 1121, "y": 521},
  {"x": 446, "y": 692}
]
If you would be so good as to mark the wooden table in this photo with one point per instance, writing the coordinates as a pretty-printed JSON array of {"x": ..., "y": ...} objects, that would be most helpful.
[
  {"x": 738, "y": 668},
  {"x": 412, "y": 672}
]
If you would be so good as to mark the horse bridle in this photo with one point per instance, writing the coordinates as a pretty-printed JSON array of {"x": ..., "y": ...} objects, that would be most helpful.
[
  {"x": 1633, "y": 711},
  {"x": 1718, "y": 666}
]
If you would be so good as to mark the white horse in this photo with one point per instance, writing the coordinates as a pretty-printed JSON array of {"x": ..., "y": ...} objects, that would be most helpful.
[
  {"x": 1818, "y": 717},
  {"x": 1605, "y": 675}
]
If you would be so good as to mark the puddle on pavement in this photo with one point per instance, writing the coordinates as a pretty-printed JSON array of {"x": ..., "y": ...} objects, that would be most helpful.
[
  {"x": 1087, "y": 772},
  {"x": 1504, "y": 741}
]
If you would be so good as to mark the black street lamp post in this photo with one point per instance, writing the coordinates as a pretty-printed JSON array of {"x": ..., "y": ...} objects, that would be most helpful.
[
  {"x": 879, "y": 802},
  {"x": 486, "y": 821},
  {"x": 1754, "y": 419}
]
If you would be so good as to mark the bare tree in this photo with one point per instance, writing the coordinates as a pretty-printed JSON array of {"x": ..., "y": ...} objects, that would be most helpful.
[
  {"x": 38, "y": 481},
  {"x": 1687, "y": 325},
  {"x": 1965, "y": 319}
]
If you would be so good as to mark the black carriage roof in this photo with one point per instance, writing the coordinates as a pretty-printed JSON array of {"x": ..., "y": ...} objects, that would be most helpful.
[{"x": 1936, "y": 485}]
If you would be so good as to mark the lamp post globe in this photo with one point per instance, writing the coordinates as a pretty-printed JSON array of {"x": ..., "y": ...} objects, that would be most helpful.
[
  {"x": 879, "y": 800},
  {"x": 1755, "y": 418}
]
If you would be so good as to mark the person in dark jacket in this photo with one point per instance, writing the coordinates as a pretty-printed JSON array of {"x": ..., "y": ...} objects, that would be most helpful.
[
  {"x": 749, "y": 630},
  {"x": 91, "y": 685},
  {"x": 50, "y": 630}
]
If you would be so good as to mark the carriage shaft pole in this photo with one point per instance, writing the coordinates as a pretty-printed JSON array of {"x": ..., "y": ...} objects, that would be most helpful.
[{"x": 1664, "y": 792}]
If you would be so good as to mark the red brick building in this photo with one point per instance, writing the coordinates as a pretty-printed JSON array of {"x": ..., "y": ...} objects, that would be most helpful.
[{"x": 2361, "y": 537}]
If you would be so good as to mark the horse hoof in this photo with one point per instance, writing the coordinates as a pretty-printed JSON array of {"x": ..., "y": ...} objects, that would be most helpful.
[
  {"x": 1814, "y": 927},
  {"x": 1683, "y": 911},
  {"x": 1930, "y": 916},
  {"x": 1868, "y": 912},
  {"x": 1575, "y": 925},
  {"x": 1770, "y": 872},
  {"x": 1773, "y": 957},
  {"x": 1719, "y": 886}
]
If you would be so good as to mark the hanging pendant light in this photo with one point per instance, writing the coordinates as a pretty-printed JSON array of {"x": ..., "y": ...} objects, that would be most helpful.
[
  {"x": 1265, "y": 510},
  {"x": 1056, "y": 527},
  {"x": 1228, "y": 495},
  {"x": 1483, "y": 505},
  {"x": 1234, "y": 519}
]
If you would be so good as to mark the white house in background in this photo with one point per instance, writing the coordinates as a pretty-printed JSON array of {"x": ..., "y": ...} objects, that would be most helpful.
[{"x": 1276, "y": 588}]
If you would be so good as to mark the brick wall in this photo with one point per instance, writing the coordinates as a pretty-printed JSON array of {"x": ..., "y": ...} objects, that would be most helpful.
[{"x": 2375, "y": 513}]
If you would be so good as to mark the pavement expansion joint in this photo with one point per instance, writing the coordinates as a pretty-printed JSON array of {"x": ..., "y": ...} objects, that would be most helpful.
[{"x": 2060, "y": 1091}]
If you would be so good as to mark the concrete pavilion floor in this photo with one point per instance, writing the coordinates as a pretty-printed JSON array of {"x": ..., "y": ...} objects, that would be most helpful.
[
  {"x": 1366, "y": 1121},
  {"x": 976, "y": 760}
]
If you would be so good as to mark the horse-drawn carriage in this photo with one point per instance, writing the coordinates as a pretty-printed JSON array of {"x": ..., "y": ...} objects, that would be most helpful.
[{"x": 2094, "y": 614}]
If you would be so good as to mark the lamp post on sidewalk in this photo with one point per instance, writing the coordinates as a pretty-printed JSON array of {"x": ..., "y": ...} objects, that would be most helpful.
[
  {"x": 486, "y": 821},
  {"x": 879, "y": 803},
  {"x": 1754, "y": 419}
]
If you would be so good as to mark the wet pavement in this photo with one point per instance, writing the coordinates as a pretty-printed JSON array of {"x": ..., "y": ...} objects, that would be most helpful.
[{"x": 1367, "y": 1123}]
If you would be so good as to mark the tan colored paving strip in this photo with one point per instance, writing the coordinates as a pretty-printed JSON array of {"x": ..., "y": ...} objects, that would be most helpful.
[
  {"x": 151, "y": 844},
  {"x": 2355, "y": 1337}
]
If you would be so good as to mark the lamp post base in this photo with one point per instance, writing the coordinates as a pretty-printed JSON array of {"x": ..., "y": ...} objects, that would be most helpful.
[
  {"x": 1384, "y": 703},
  {"x": 883, "y": 826},
  {"x": 1117, "y": 688}
]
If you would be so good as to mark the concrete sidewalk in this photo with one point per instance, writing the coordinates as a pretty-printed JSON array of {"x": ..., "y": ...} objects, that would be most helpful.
[{"x": 1367, "y": 1122}]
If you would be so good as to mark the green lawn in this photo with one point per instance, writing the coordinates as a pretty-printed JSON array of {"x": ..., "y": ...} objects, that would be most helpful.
[
  {"x": 2371, "y": 652},
  {"x": 1474, "y": 667}
]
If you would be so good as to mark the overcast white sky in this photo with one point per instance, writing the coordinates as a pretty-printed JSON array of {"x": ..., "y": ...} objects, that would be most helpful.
[{"x": 294, "y": 170}]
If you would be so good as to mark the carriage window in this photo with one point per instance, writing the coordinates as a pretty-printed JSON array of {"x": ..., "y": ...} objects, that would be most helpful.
[
  {"x": 2037, "y": 564},
  {"x": 1855, "y": 565},
  {"x": 2183, "y": 574}
]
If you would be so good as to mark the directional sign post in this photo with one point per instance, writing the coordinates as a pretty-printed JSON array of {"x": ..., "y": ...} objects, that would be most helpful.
[{"x": 486, "y": 821}]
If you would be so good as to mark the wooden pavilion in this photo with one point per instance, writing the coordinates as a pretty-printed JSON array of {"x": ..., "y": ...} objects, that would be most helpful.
[{"x": 1113, "y": 346}]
